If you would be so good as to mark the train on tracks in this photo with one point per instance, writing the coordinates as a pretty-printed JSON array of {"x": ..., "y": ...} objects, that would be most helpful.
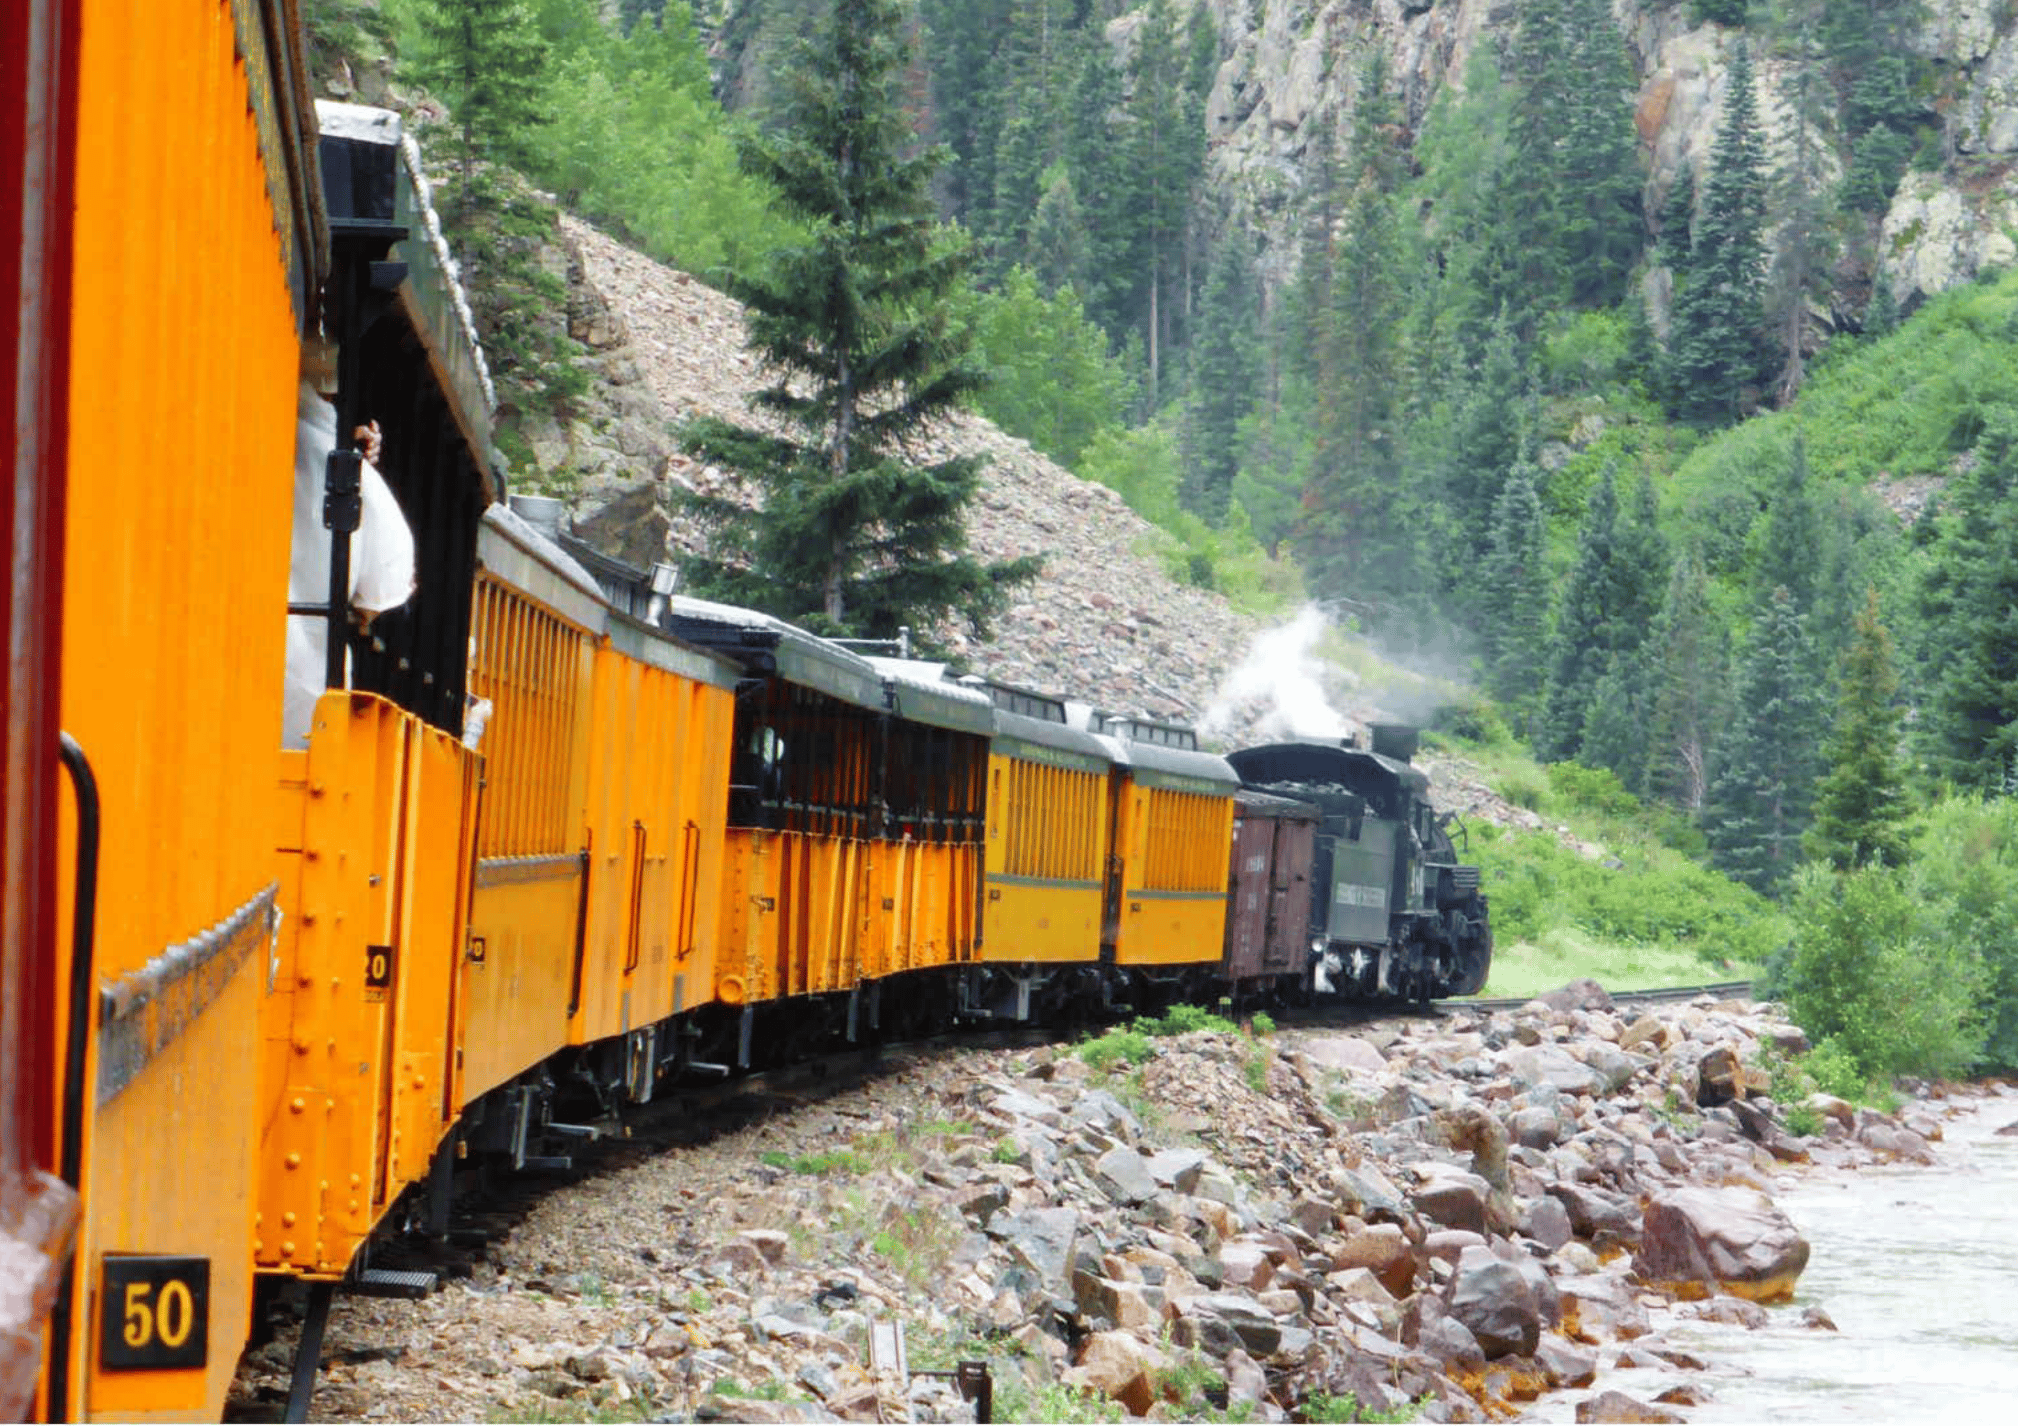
[{"x": 543, "y": 838}]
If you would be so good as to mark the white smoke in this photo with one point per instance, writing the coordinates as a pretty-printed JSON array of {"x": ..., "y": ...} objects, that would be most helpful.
[{"x": 1276, "y": 693}]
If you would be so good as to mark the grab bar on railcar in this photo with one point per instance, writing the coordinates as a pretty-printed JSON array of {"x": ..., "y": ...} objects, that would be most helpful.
[{"x": 76, "y": 1043}]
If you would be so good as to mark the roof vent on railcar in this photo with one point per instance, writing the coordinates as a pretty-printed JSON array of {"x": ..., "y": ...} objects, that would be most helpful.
[
  {"x": 1138, "y": 729},
  {"x": 1027, "y": 702}
]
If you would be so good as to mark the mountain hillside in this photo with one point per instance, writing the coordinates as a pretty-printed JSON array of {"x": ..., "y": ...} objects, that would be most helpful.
[{"x": 1103, "y": 621}]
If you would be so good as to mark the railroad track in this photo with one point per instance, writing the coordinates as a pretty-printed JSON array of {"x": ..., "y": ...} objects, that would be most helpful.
[{"x": 1717, "y": 990}]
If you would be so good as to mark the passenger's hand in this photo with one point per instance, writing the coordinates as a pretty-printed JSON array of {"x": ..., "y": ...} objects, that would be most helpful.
[{"x": 370, "y": 440}]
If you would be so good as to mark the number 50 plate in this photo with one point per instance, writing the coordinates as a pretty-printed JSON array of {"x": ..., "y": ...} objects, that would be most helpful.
[{"x": 153, "y": 1313}]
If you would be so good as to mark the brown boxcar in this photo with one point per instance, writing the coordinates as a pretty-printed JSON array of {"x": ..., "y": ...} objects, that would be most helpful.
[{"x": 1268, "y": 911}]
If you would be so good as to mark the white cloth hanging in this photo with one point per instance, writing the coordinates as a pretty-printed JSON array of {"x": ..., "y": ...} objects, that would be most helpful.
[{"x": 381, "y": 560}]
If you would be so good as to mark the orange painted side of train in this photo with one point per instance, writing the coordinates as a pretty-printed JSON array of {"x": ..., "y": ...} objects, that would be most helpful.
[{"x": 534, "y": 840}]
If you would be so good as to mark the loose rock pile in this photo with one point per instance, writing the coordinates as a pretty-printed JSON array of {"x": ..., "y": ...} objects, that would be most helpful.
[
  {"x": 1105, "y": 622},
  {"x": 1462, "y": 1212}
]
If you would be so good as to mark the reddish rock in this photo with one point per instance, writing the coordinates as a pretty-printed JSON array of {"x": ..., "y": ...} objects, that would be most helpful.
[
  {"x": 1617, "y": 1406},
  {"x": 1592, "y": 1211},
  {"x": 1564, "y": 1363},
  {"x": 1121, "y": 1367},
  {"x": 1382, "y": 1250},
  {"x": 1697, "y": 1240},
  {"x": 1493, "y": 1299},
  {"x": 1454, "y": 1199}
]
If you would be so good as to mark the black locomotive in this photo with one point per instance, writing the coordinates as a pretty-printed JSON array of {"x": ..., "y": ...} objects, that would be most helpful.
[{"x": 1394, "y": 913}]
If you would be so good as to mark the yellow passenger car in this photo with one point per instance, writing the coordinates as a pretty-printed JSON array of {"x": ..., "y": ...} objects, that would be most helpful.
[
  {"x": 1050, "y": 828},
  {"x": 193, "y": 283},
  {"x": 1173, "y": 831}
]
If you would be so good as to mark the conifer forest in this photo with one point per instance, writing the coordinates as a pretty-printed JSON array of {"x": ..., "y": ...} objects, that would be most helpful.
[{"x": 1667, "y": 458}]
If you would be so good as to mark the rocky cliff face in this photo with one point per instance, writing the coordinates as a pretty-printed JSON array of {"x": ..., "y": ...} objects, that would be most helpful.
[{"x": 1292, "y": 66}]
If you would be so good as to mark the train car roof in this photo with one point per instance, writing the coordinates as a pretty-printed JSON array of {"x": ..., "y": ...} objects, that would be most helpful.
[
  {"x": 1255, "y": 803},
  {"x": 1177, "y": 769},
  {"x": 523, "y": 556},
  {"x": 1321, "y": 762},
  {"x": 767, "y": 645},
  {"x": 372, "y": 178},
  {"x": 919, "y": 690}
]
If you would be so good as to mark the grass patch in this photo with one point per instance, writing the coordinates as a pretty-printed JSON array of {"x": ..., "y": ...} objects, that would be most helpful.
[
  {"x": 827, "y": 1162},
  {"x": 1563, "y": 954}
]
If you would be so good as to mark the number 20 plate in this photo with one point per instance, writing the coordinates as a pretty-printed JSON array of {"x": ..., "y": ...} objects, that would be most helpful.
[{"x": 153, "y": 1313}]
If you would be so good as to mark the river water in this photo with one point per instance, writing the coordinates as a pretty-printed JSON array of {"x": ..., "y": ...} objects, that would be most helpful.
[{"x": 1917, "y": 1267}]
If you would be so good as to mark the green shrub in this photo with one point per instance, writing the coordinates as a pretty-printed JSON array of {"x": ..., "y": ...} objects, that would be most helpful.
[
  {"x": 1866, "y": 972},
  {"x": 1183, "y": 1019},
  {"x": 1117, "y": 1047},
  {"x": 1656, "y": 898},
  {"x": 1261, "y": 1022}
]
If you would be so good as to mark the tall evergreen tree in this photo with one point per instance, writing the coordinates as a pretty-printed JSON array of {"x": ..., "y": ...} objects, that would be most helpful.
[
  {"x": 1615, "y": 724},
  {"x": 1222, "y": 377},
  {"x": 1969, "y": 615},
  {"x": 1515, "y": 592},
  {"x": 1524, "y": 269},
  {"x": 1361, "y": 540},
  {"x": 1800, "y": 266},
  {"x": 1678, "y": 216},
  {"x": 1486, "y": 435},
  {"x": 1165, "y": 147},
  {"x": 1860, "y": 803},
  {"x": 484, "y": 59},
  {"x": 1600, "y": 178},
  {"x": 1606, "y": 608},
  {"x": 1713, "y": 352},
  {"x": 1762, "y": 785},
  {"x": 1686, "y": 675},
  {"x": 1790, "y": 550},
  {"x": 854, "y": 324}
]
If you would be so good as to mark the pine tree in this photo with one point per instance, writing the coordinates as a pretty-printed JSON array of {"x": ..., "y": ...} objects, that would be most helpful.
[
  {"x": 1222, "y": 377},
  {"x": 1486, "y": 435},
  {"x": 1600, "y": 178},
  {"x": 1515, "y": 591},
  {"x": 1800, "y": 266},
  {"x": 1678, "y": 216},
  {"x": 1165, "y": 149},
  {"x": 1765, "y": 764},
  {"x": 1615, "y": 727},
  {"x": 1604, "y": 612},
  {"x": 1523, "y": 270},
  {"x": 1969, "y": 615},
  {"x": 1792, "y": 541},
  {"x": 485, "y": 60},
  {"x": 1881, "y": 317},
  {"x": 1686, "y": 675},
  {"x": 1058, "y": 243},
  {"x": 1360, "y": 538},
  {"x": 854, "y": 323},
  {"x": 1714, "y": 348},
  {"x": 1860, "y": 803}
]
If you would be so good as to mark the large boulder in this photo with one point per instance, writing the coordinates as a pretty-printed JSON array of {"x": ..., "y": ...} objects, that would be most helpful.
[
  {"x": 1495, "y": 1302},
  {"x": 1041, "y": 1240},
  {"x": 1534, "y": 1065},
  {"x": 1617, "y": 1406},
  {"x": 1594, "y": 1212},
  {"x": 1452, "y": 1197},
  {"x": 1697, "y": 1240},
  {"x": 1121, "y": 1367},
  {"x": 1585, "y": 994}
]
